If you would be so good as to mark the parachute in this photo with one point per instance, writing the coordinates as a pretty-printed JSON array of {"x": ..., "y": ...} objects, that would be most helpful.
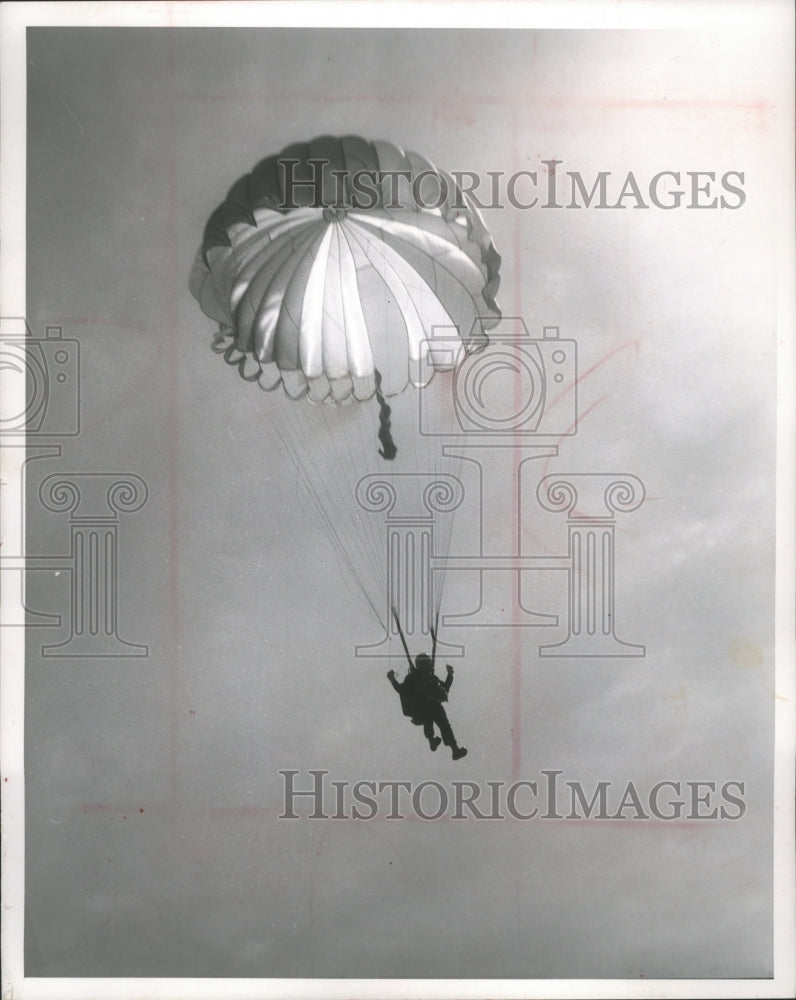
[{"x": 342, "y": 272}]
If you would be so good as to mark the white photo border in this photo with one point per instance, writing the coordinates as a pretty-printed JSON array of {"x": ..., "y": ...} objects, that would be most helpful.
[{"x": 724, "y": 15}]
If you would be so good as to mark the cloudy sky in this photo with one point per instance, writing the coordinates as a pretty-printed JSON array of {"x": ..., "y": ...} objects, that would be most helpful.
[{"x": 153, "y": 844}]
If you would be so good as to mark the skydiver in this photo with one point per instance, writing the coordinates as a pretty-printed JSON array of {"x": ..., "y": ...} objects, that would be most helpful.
[{"x": 422, "y": 694}]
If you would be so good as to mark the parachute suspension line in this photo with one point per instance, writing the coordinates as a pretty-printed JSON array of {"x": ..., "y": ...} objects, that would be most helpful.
[
  {"x": 333, "y": 505},
  {"x": 441, "y": 416},
  {"x": 367, "y": 529},
  {"x": 388, "y": 449},
  {"x": 367, "y": 523},
  {"x": 346, "y": 472},
  {"x": 292, "y": 447},
  {"x": 331, "y": 521},
  {"x": 443, "y": 519},
  {"x": 457, "y": 465}
]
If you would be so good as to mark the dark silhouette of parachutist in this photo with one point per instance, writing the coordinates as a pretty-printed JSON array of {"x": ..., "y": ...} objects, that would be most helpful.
[
  {"x": 422, "y": 694},
  {"x": 388, "y": 449}
]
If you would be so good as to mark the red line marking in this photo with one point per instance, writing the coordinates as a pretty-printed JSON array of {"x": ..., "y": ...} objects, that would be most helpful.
[{"x": 582, "y": 378}]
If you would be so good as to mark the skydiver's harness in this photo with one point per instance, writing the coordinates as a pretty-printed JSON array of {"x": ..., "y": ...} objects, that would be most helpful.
[{"x": 414, "y": 689}]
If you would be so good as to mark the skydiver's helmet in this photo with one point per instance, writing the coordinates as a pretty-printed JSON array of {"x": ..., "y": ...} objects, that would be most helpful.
[{"x": 424, "y": 663}]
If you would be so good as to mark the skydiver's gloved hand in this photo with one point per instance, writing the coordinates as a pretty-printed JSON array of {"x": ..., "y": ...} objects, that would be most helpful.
[
  {"x": 449, "y": 669},
  {"x": 391, "y": 674}
]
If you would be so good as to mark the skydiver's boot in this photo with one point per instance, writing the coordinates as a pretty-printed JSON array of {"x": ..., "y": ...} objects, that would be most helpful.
[
  {"x": 458, "y": 752},
  {"x": 434, "y": 742}
]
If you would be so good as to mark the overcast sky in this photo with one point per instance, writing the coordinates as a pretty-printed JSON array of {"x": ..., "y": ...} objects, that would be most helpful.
[{"x": 153, "y": 786}]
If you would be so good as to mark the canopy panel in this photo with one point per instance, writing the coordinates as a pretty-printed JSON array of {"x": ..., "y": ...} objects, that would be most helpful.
[{"x": 342, "y": 258}]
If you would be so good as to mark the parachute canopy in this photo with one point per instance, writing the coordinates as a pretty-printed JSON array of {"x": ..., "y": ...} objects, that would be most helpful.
[
  {"x": 342, "y": 270},
  {"x": 343, "y": 266}
]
